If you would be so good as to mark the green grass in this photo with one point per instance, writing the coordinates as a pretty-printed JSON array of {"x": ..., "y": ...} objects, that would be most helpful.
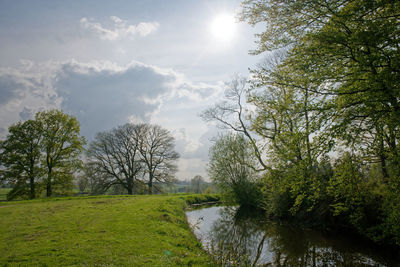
[
  {"x": 4, "y": 192},
  {"x": 100, "y": 231}
]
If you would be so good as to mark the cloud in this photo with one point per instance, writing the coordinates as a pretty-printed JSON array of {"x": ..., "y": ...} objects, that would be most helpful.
[
  {"x": 100, "y": 94},
  {"x": 8, "y": 89},
  {"x": 188, "y": 168},
  {"x": 184, "y": 142},
  {"x": 24, "y": 90},
  {"x": 103, "y": 95},
  {"x": 120, "y": 28}
]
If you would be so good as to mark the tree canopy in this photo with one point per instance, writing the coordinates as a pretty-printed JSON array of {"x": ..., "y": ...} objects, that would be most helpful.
[
  {"x": 323, "y": 112},
  {"x": 42, "y": 153}
]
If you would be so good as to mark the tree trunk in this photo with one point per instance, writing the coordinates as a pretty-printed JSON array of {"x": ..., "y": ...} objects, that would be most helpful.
[
  {"x": 130, "y": 191},
  {"x": 49, "y": 167},
  {"x": 382, "y": 158},
  {"x": 32, "y": 185},
  {"x": 48, "y": 188},
  {"x": 150, "y": 183},
  {"x": 32, "y": 179},
  {"x": 48, "y": 185}
]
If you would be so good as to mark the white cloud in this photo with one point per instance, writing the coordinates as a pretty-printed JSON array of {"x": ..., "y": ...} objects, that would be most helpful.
[
  {"x": 188, "y": 168},
  {"x": 184, "y": 142},
  {"x": 103, "y": 95},
  {"x": 120, "y": 28}
]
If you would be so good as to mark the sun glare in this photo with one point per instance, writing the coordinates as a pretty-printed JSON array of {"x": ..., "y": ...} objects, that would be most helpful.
[{"x": 223, "y": 27}]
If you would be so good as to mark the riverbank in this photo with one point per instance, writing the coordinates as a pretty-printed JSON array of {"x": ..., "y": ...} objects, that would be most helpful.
[{"x": 101, "y": 231}]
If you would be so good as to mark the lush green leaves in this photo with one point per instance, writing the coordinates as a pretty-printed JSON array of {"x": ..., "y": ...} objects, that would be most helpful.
[
  {"x": 332, "y": 86},
  {"x": 231, "y": 168},
  {"x": 42, "y": 153}
]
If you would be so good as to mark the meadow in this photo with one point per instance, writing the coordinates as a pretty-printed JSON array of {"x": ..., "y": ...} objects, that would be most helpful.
[{"x": 146, "y": 230}]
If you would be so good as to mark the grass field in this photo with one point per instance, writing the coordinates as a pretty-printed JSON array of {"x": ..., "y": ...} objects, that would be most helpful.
[{"x": 100, "y": 231}]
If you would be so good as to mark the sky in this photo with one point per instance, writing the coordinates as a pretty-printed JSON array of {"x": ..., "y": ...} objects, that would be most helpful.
[{"x": 112, "y": 62}]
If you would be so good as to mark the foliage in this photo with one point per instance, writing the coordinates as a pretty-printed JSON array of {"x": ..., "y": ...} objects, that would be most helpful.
[
  {"x": 3, "y": 193},
  {"x": 20, "y": 157},
  {"x": 391, "y": 210},
  {"x": 82, "y": 183},
  {"x": 203, "y": 198},
  {"x": 42, "y": 154},
  {"x": 323, "y": 113},
  {"x": 61, "y": 146},
  {"x": 230, "y": 168}
]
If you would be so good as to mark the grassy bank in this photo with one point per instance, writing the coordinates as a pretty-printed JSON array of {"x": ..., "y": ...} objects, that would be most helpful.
[{"x": 100, "y": 231}]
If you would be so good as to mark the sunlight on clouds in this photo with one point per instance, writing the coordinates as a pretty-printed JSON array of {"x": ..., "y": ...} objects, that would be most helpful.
[
  {"x": 120, "y": 28},
  {"x": 135, "y": 119},
  {"x": 188, "y": 168},
  {"x": 189, "y": 145}
]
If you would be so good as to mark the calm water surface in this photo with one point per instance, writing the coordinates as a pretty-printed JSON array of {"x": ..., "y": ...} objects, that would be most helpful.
[{"x": 237, "y": 237}]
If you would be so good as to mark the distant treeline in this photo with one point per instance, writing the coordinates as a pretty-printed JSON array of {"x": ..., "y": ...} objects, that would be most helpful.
[{"x": 315, "y": 132}]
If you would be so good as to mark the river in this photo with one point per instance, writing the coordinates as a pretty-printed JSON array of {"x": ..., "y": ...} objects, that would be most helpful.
[{"x": 239, "y": 237}]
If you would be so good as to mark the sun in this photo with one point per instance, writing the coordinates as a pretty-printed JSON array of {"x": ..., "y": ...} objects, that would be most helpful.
[{"x": 223, "y": 27}]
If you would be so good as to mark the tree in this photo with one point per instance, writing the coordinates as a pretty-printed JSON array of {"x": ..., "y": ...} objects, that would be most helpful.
[
  {"x": 156, "y": 147},
  {"x": 231, "y": 114},
  {"x": 330, "y": 43},
  {"x": 49, "y": 144},
  {"x": 82, "y": 182},
  {"x": 62, "y": 146},
  {"x": 292, "y": 122},
  {"x": 115, "y": 157},
  {"x": 342, "y": 57},
  {"x": 20, "y": 157},
  {"x": 231, "y": 169},
  {"x": 126, "y": 154},
  {"x": 196, "y": 184}
]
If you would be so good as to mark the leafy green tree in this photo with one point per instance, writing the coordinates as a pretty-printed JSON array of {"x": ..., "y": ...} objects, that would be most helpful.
[
  {"x": 340, "y": 72},
  {"x": 231, "y": 168},
  {"x": 331, "y": 44},
  {"x": 20, "y": 158},
  {"x": 347, "y": 187},
  {"x": 61, "y": 146},
  {"x": 391, "y": 210},
  {"x": 291, "y": 120}
]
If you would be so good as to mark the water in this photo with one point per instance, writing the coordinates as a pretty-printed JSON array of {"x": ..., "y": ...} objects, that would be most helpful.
[{"x": 237, "y": 237}]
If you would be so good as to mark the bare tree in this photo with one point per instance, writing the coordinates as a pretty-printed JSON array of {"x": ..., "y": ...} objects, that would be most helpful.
[
  {"x": 115, "y": 156},
  {"x": 231, "y": 114},
  {"x": 156, "y": 147},
  {"x": 99, "y": 181}
]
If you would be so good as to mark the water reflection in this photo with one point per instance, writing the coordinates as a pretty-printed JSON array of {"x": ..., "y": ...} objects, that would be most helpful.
[{"x": 239, "y": 237}]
